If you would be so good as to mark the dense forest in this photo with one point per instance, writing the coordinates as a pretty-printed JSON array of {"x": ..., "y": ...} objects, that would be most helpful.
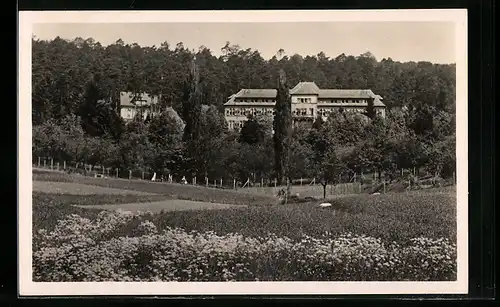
[{"x": 76, "y": 86}]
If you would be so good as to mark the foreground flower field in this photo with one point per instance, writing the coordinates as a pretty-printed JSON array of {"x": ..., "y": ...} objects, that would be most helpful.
[
  {"x": 80, "y": 249},
  {"x": 390, "y": 237}
]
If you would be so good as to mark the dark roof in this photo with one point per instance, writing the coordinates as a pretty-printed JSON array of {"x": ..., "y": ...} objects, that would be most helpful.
[
  {"x": 256, "y": 93},
  {"x": 305, "y": 88},
  {"x": 308, "y": 88},
  {"x": 351, "y": 94},
  {"x": 341, "y": 93},
  {"x": 129, "y": 99}
]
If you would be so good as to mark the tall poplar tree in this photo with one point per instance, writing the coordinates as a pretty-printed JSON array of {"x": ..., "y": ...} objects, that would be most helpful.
[
  {"x": 191, "y": 111},
  {"x": 282, "y": 129}
]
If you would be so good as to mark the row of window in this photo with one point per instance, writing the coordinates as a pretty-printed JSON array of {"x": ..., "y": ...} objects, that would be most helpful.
[
  {"x": 232, "y": 124},
  {"x": 249, "y": 111},
  {"x": 304, "y": 100},
  {"x": 307, "y": 100},
  {"x": 343, "y": 101},
  {"x": 295, "y": 112},
  {"x": 266, "y": 111},
  {"x": 255, "y": 100},
  {"x": 238, "y": 124},
  {"x": 303, "y": 112},
  {"x": 327, "y": 112},
  {"x": 129, "y": 113}
]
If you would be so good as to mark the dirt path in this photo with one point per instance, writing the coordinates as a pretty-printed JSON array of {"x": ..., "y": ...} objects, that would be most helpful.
[
  {"x": 166, "y": 205},
  {"x": 79, "y": 189}
]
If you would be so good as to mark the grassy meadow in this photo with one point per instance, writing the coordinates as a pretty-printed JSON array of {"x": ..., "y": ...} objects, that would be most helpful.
[{"x": 397, "y": 235}]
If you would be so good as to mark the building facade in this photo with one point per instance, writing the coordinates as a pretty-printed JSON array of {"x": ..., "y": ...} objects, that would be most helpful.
[
  {"x": 308, "y": 102},
  {"x": 138, "y": 104}
]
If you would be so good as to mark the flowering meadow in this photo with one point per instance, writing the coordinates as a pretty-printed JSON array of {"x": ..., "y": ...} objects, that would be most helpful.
[
  {"x": 83, "y": 249},
  {"x": 390, "y": 237}
]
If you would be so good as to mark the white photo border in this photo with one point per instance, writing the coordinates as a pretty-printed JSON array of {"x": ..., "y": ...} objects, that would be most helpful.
[{"x": 29, "y": 288}]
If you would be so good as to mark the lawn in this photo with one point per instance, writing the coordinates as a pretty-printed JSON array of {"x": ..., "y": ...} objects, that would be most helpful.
[
  {"x": 393, "y": 236},
  {"x": 393, "y": 217},
  {"x": 172, "y": 190},
  {"x": 73, "y": 188},
  {"x": 48, "y": 208}
]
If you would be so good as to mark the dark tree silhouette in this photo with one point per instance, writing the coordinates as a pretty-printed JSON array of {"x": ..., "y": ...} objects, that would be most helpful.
[{"x": 282, "y": 129}]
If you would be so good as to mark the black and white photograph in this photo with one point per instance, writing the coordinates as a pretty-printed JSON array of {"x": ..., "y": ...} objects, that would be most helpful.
[{"x": 243, "y": 152}]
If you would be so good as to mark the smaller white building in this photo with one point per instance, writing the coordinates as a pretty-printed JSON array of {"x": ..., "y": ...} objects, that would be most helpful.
[{"x": 141, "y": 103}]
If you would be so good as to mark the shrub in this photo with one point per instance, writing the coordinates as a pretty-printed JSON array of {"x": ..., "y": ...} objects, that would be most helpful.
[{"x": 80, "y": 249}]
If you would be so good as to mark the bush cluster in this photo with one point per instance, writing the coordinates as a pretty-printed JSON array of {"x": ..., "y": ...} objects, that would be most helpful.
[{"x": 81, "y": 249}]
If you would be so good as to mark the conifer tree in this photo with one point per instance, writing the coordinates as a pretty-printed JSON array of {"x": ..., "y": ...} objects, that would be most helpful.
[
  {"x": 191, "y": 111},
  {"x": 282, "y": 129}
]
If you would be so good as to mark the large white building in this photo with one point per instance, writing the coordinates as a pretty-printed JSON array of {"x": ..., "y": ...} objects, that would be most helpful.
[
  {"x": 142, "y": 104},
  {"x": 308, "y": 102}
]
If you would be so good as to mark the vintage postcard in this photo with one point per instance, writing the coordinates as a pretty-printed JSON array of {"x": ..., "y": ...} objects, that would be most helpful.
[{"x": 243, "y": 152}]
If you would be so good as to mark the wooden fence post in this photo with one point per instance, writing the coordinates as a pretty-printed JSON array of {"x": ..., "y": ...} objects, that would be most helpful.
[
  {"x": 64, "y": 165},
  {"x": 57, "y": 165},
  {"x": 384, "y": 186},
  {"x": 234, "y": 184},
  {"x": 129, "y": 174},
  {"x": 221, "y": 182},
  {"x": 215, "y": 183},
  {"x": 300, "y": 181},
  {"x": 39, "y": 161},
  {"x": 142, "y": 176},
  {"x": 116, "y": 173},
  {"x": 51, "y": 163},
  {"x": 206, "y": 182},
  {"x": 261, "y": 182},
  {"x": 44, "y": 162},
  {"x": 275, "y": 182}
]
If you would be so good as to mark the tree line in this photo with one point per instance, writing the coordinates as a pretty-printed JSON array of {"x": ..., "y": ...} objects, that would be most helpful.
[{"x": 76, "y": 86}]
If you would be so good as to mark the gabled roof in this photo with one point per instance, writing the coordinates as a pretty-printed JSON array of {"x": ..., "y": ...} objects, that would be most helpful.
[
  {"x": 256, "y": 93},
  {"x": 305, "y": 88},
  {"x": 344, "y": 93},
  {"x": 308, "y": 88},
  {"x": 129, "y": 99}
]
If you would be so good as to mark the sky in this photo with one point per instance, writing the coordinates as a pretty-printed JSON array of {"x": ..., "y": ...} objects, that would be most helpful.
[{"x": 401, "y": 41}]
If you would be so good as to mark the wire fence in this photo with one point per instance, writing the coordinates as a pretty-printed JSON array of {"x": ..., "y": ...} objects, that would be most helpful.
[{"x": 403, "y": 180}]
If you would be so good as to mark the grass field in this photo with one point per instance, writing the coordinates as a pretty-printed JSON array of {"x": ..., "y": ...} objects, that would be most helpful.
[
  {"x": 73, "y": 188},
  {"x": 171, "y": 190},
  {"x": 393, "y": 216},
  {"x": 205, "y": 234}
]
